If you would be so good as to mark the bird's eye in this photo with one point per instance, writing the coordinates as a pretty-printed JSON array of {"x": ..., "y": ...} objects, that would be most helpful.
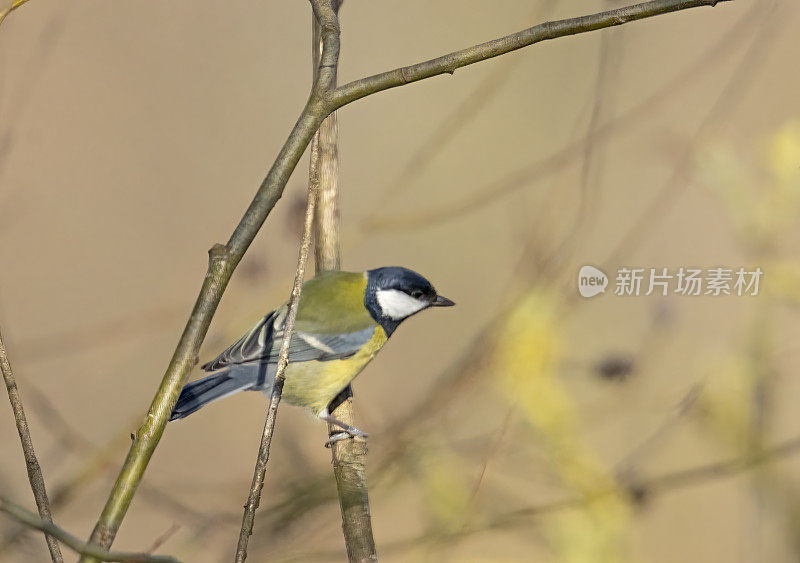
[{"x": 417, "y": 294}]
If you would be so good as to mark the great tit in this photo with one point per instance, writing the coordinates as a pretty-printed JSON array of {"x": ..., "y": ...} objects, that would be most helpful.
[{"x": 343, "y": 320}]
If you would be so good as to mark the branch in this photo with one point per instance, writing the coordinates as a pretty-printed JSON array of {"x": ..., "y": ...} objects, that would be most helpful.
[
  {"x": 349, "y": 456},
  {"x": 253, "y": 499},
  {"x": 454, "y": 121},
  {"x": 224, "y": 258},
  {"x": 325, "y": 14},
  {"x": 530, "y": 173},
  {"x": 640, "y": 491},
  {"x": 31, "y": 463},
  {"x": 324, "y": 170},
  {"x": 448, "y": 64},
  {"x": 12, "y": 5},
  {"x": 52, "y": 531}
]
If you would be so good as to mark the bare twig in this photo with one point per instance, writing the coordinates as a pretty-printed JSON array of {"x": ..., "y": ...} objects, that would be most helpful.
[
  {"x": 449, "y": 63},
  {"x": 643, "y": 489},
  {"x": 731, "y": 95},
  {"x": 254, "y": 497},
  {"x": 224, "y": 258},
  {"x": 61, "y": 494},
  {"x": 82, "y": 339},
  {"x": 536, "y": 171},
  {"x": 51, "y": 530},
  {"x": 628, "y": 465},
  {"x": 349, "y": 456},
  {"x": 31, "y": 463},
  {"x": 494, "y": 447},
  {"x": 453, "y": 123},
  {"x": 161, "y": 540}
]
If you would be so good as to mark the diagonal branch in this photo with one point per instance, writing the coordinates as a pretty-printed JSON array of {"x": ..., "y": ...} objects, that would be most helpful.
[
  {"x": 536, "y": 171},
  {"x": 447, "y": 64},
  {"x": 324, "y": 15},
  {"x": 12, "y": 5},
  {"x": 253, "y": 499},
  {"x": 30, "y": 520},
  {"x": 31, "y": 463},
  {"x": 224, "y": 258}
]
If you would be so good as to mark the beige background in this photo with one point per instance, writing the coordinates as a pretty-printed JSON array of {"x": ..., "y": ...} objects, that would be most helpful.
[{"x": 133, "y": 135}]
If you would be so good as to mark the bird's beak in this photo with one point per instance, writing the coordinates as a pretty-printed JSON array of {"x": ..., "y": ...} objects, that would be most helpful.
[{"x": 442, "y": 302}]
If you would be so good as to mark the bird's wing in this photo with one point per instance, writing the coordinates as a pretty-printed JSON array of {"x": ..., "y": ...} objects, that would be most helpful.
[{"x": 262, "y": 344}]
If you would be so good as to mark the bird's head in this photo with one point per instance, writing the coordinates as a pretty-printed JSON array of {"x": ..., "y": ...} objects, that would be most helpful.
[{"x": 395, "y": 293}]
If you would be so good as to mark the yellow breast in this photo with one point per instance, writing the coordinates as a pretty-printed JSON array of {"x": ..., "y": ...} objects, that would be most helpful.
[{"x": 315, "y": 384}]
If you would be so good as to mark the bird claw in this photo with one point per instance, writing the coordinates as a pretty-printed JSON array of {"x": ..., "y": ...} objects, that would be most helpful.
[{"x": 353, "y": 433}]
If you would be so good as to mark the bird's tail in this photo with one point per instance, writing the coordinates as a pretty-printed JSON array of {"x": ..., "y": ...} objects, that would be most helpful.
[{"x": 203, "y": 391}]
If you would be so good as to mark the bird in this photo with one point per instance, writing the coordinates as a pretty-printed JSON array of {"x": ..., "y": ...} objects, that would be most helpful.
[{"x": 343, "y": 320}]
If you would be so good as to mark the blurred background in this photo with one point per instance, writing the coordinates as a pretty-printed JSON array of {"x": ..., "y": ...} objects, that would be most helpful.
[{"x": 528, "y": 422}]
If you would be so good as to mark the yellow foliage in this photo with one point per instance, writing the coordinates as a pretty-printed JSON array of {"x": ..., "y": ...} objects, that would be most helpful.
[
  {"x": 783, "y": 153},
  {"x": 762, "y": 209},
  {"x": 527, "y": 355},
  {"x": 784, "y": 280},
  {"x": 527, "y": 352},
  {"x": 447, "y": 490},
  {"x": 727, "y": 400}
]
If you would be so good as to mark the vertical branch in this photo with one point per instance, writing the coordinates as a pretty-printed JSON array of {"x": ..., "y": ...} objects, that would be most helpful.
[
  {"x": 31, "y": 463},
  {"x": 349, "y": 456},
  {"x": 253, "y": 499},
  {"x": 324, "y": 170}
]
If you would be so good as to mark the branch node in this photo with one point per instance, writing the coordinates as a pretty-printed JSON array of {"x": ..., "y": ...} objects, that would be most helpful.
[{"x": 218, "y": 252}]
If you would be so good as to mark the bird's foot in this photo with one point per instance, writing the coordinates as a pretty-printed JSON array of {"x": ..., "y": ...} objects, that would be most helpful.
[{"x": 349, "y": 433}]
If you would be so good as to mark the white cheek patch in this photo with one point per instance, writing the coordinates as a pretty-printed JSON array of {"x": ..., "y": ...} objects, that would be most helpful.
[{"x": 398, "y": 305}]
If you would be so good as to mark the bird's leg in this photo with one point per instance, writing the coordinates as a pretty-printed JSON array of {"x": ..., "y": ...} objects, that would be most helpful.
[{"x": 349, "y": 431}]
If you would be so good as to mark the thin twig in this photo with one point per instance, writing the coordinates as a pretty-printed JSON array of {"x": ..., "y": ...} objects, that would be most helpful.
[
  {"x": 491, "y": 453},
  {"x": 628, "y": 465},
  {"x": 643, "y": 489},
  {"x": 93, "y": 465},
  {"x": 733, "y": 92},
  {"x": 51, "y": 530},
  {"x": 31, "y": 463},
  {"x": 162, "y": 539},
  {"x": 527, "y": 175},
  {"x": 82, "y": 339},
  {"x": 224, "y": 258},
  {"x": 448, "y": 64},
  {"x": 428, "y": 149},
  {"x": 12, "y": 5},
  {"x": 254, "y": 498}
]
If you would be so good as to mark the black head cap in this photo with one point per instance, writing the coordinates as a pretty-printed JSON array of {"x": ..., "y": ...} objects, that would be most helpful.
[{"x": 395, "y": 293}]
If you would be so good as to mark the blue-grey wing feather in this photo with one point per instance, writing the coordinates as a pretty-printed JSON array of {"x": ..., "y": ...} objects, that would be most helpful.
[{"x": 262, "y": 344}]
